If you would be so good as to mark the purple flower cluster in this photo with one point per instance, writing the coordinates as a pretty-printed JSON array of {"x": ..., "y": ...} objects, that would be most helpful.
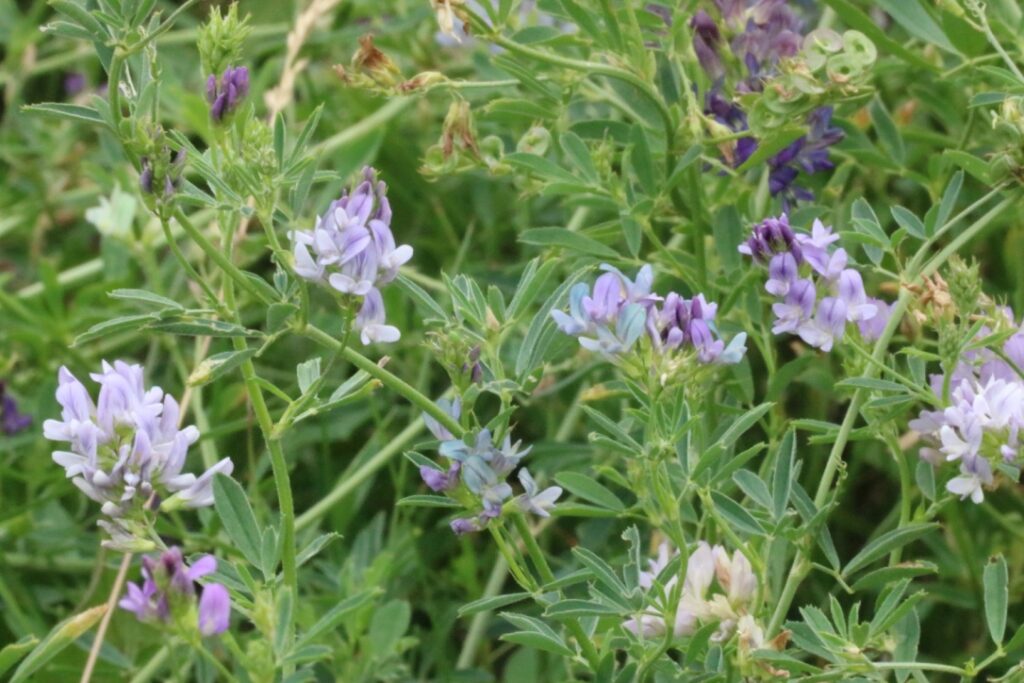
[
  {"x": 771, "y": 31},
  {"x": 126, "y": 450},
  {"x": 168, "y": 591},
  {"x": 352, "y": 249},
  {"x": 802, "y": 268},
  {"x": 12, "y": 420},
  {"x": 616, "y": 314},
  {"x": 980, "y": 428},
  {"x": 225, "y": 95},
  {"x": 483, "y": 469}
]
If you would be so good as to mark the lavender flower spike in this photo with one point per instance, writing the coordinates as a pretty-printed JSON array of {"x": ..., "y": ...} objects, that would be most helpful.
[
  {"x": 126, "y": 449},
  {"x": 11, "y": 420},
  {"x": 352, "y": 249},
  {"x": 214, "y": 610}
]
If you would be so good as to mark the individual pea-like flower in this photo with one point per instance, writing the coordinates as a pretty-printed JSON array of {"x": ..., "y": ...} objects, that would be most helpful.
[
  {"x": 167, "y": 594},
  {"x": 979, "y": 426},
  {"x": 12, "y": 420},
  {"x": 736, "y": 581},
  {"x": 224, "y": 95},
  {"x": 534, "y": 500},
  {"x": 802, "y": 267},
  {"x": 615, "y": 315},
  {"x": 126, "y": 451},
  {"x": 352, "y": 250}
]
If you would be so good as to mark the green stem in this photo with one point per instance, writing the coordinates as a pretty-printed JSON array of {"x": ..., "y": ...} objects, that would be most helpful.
[
  {"x": 906, "y": 491},
  {"x": 389, "y": 380},
  {"x": 541, "y": 562}
]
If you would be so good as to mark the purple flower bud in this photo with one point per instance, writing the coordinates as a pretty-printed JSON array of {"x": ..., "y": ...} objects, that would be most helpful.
[
  {"x": 464, "y": 525},
  {"x": 225, "y": 95},
  {"x": 146, "y": 177}
]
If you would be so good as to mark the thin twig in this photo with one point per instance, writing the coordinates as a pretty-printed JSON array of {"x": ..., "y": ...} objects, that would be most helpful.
[{"x": 101, "y": 633}]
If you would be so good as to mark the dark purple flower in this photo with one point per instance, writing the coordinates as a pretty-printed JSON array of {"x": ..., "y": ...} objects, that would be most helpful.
[
  {"x": 11, "y": 420},
  {"x": 808, "y": 154},
  {"x": 225, "y": 95},
  {"x": 464, "y": 525},
  {"x": 706, "y": 41}
]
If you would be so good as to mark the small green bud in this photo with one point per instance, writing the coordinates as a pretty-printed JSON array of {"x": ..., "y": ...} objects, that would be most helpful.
[{"x": 221, "y": 39}]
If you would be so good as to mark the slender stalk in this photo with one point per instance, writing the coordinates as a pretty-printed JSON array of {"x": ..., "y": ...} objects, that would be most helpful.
[
  {"x": 541, "y": 562},
  {"x": 389, "y": 380},
  {"x": 101, "y": 632}
]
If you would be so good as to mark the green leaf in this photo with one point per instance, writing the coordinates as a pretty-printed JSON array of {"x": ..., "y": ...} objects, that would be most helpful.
[
  {"x": 337, "y": 614},
  {"x": 113, "y": 326},
  {"x": 640, "y": 156},
  {"x": 142, "y": 296},
  {"x": 735, "y": 515},
  {"x": 579, "y": 154},
  {"x": 388, "y": 625},
  {"x": 428, "y": 501},
  {"x": 542, "y": 168},
  {"x": 872, "y": 384},
  {"x": 218, "y": 365},
  {"x": 306, "y": 373},
  {"x": 62, "y": 635},
  {"x": 886, "y": 128},
  {"x": 533, "y": 280},
  {"x": 917, "y": 22},
  {"x": 949, "y": 198},
  {"x": 897, "y": 538},
  {"x": 236, "y": 515},
  {"x": 491, "y": 603},
  {"x": 75, "y": 112},
  {"x": 887, "y": 575},
  {"x": 421, "y": 297},
  {"x": 996, "y": 581},
  {"x": 201, "y": 327},
  {"x": 574, "y": 609},
  {"x": 754, "y": 487},
  {"x": 910, "y": 222},
  {"x": 587, "y": 488},
  {"x": 772, "y": 144},
  {"x": 782, "y": 478},
  {"x": 10, "y": 654},
  {"x": 602, "y": 571},
  {"x": 315, "y": 546},
  {"x": 539, "y": 641},
  {"x": 975, "y": 166},
  {"x": 566, "y": 239}
]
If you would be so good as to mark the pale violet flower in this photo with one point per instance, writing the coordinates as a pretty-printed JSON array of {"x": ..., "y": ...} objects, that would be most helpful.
[
  {"x": 534, "y": 500},
  {"x": 126, "y": 451},
  {"x": 352, "y": 250}
]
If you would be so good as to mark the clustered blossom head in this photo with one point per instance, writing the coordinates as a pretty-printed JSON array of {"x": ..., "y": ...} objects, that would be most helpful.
[
  {"x": 353, "y": 250},
  {"x": 980, "y": 428},
  {"x": 729, "y": 607},
  {"x": 12, "y": 420},
  {"x": 616, "y": 314},
  {"x": 768, "y": 31},
  {"x": 167, "y": 594},
  {"x": 802, "y": 268},
  {"x": 483, "y": 469},
  {"x": 126, "y": 450},
  {"x": 225, "y": 95}
]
